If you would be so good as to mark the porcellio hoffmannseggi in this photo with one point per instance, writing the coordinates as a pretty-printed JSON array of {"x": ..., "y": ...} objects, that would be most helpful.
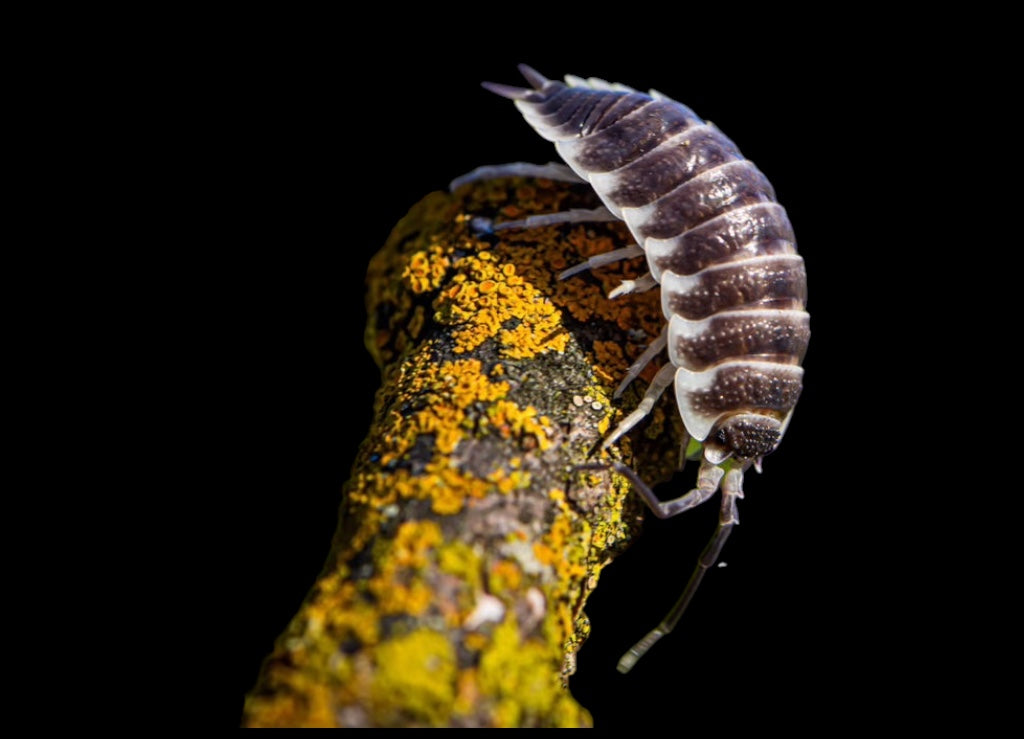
[{"x": 722, "y": 250}]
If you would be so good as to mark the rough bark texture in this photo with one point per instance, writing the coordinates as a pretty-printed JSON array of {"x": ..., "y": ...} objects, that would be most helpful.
[{"x": 467, "y": 545}]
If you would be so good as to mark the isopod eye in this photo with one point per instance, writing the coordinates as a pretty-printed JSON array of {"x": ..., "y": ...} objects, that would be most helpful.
[{"x": 749, "y": 435}]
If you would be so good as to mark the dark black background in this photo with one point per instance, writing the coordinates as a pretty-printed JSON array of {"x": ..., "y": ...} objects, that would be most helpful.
[{"x": 311, "y": 140}]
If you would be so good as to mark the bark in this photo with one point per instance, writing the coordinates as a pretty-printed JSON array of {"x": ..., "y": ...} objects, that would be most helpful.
[{"x": 467, "y": 543}]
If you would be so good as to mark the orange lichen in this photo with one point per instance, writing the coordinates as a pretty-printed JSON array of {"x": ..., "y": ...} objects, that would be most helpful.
[
  {"x": 507, "y": 290},
  {"x": 447, "y": 392},
  {"x": 412, "y": 542},
  {"x": 466, "y": 383},
  {"x": 487, "y": 298},
  {"x": 446, "y": 397},
  {"x": 545, "y": 554},
  {"x": 426, "y": 269},
  {"x": 513, "y": 421},
  {"x": 610, "y": 362},
  {"x": 397, "y": 587},
  {"x": 445, "y": 487},
  {"x": 505, "y": 575},
  {"x": 506, "y": 482},
  {"x": 343, "y": 612}
]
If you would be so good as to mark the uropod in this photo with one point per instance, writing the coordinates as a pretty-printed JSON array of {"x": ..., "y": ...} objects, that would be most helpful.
[{"x": 722, "y": 251}]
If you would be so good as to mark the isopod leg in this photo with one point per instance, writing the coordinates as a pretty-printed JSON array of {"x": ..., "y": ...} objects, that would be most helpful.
[
  {"x": 708, "y": 478},
  {"x": 641, "y": 284},
  {"x": 661, "y": 381},
  {"x": 573, "y": 215},
  {"x": 551, "y": 171},
  {"x": 732, "y": 489},
  {"x": 642, "y": 361},
  {"x": 615, "y": 255},
  {"x": 683, "y": 447}
]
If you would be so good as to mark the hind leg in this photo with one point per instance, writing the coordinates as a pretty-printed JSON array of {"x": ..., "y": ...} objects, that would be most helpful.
[
  {"x": 652, "y": 350},
  {"x": 658, "y": 385},
  {"x": 708, "y": 477},
  {"x": 732, "y": 490}
]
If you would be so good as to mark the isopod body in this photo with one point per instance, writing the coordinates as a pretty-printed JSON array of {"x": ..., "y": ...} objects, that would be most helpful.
[{"x": 722, "y": 250}]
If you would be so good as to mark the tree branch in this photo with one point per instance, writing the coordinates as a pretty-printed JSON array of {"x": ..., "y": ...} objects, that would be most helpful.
[{"x": 467, "y": 545}]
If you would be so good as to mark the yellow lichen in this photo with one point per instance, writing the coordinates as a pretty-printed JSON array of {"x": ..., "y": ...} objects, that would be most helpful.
[
  {"x": 460, "y": 559},
  {"x": 446, "y": 487},
  {"x": 398, "y": 598},
  {"x": 445, "y": 394},
  {"x": 506, "y": 482},
  {"x": 518, "y": 674},
  {"x": 504, "y": 576},
  {"x": 414, "y": 679},
  {"x": 398, "y": 586},
  {"x": 342, "y": 612},
  {"x": 426, "y": 269},
  {"x": 544, "y": 554},
  {"x": 465, "y": 382},
  {"x": 487, "y": 298},
  {"x": 412, "y": 542},
  {"x": 511, "y": 420}
]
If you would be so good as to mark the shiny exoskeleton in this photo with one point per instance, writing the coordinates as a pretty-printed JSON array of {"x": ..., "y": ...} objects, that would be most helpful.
[{"x": 722, "y": 249}]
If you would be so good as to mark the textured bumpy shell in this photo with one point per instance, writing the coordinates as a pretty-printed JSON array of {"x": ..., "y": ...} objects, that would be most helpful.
[{"x": 717, "y": 241}]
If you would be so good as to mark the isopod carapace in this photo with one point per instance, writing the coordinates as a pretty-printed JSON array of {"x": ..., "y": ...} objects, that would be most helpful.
[{"x": 722, "y": 251}]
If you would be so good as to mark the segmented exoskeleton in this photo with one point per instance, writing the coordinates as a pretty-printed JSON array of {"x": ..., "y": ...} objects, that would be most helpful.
[{"x": 722, "y": 249}]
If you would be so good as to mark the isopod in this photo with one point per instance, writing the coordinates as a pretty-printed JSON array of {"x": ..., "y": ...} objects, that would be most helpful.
[{"x": 722, "y": 250}]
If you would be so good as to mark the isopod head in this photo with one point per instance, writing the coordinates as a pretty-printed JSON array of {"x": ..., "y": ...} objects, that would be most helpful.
[{"x": 745, "y": 436}]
